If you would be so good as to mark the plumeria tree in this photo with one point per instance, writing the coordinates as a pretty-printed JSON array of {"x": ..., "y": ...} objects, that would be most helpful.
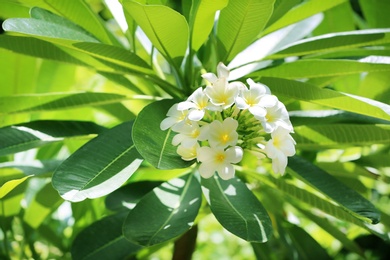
[{"x": 212, "y": 129}]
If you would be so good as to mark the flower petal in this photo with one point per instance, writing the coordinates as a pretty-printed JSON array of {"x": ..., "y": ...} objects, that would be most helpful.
[
  {"x": 210, "y": 77},
  {"x": 226, "y": 172},
  {"x": 196, "y": 115},
  {"x": 234, "y": 154},
  {"x": 206, "y": 170}
]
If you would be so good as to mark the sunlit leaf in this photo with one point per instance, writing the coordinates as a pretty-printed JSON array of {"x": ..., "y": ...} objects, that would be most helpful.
[
  {"x": 237, "y": 209},
  {"x": 10, "y": 185},
  {"x": 164, "y": 213},
  {"x": 104, "y": 240},
  {"x": 307, "y": 92},
  {"x": 154, "y": 144},
  {"x": 239, "y": 24},
  {"x": 99, "y": 167},
  {"x": 25, "y": 136},
  {"x": 349, "y": 199},
  {"x": 166, "y": 28}
]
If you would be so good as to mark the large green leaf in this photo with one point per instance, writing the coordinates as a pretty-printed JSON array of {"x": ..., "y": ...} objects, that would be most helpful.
[
  {"x": 237, "y": 209},
  {"x": 55, "y": 101},
  {"x": 103, "y": 240},
  {"x": 307, "y": 92},
  {"x": 99, "y": 167},
  {"x": 166, "y": 28},
  {"x": 154, "y": 144},
  {"x": 48, "y": 25},
  {"x": 349, "y": 199},
  {"x": 165, "y": 213},
  {"x": 201, "y": 21},
  {"x": 333, "y": 42},
  {"x": 302, "y": 11},
  {"x": 375, "y": 13},
  {"x": 239, "y": 24},
  {"x": 10, "y": 203},
  {"x": 340, "y": 135},
  {"x": 25, "y": 136},
  {"x": 7, "y": 187},
  {"x": 320, "y": 68}
]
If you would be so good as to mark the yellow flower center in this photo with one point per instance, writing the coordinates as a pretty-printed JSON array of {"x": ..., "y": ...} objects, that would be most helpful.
[
  {"x": 224, "y": 138},
  {"x": 220, "y": 157},
  {"x": 195, "y": 133}
]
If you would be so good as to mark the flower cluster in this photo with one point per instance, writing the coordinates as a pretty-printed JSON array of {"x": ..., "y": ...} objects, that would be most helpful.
[{"x": 216, "y": 124}]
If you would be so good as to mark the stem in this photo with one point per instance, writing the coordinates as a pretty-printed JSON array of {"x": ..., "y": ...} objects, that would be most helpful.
[{"x": 185, "y": 245}]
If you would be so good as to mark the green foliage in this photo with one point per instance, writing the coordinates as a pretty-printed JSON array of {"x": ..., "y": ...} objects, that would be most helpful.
[{"x": 82, "y": 102}]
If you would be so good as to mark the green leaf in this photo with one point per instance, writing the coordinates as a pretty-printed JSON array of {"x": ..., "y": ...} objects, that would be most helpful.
[
  {"x": 154, "y": 144},
  {"x": 128, "y": 196},
  {"x": 45, "y": 202},
  {"x": 201, "y": 21},
  {"x": 51, "y": 27},
  {"x": 375, "y": 13},
  {"x": 25, "y": 136},
  {"x": 28, "y": 103},
  {"x": 302, "y": 11},
  {"x": 310, "y": 93},
  {"x": 281, "y": 7},
  {"x": 340, "y": 135},
  {"x": 10, "y": 203},
  {"x": 334, "y": 42},
  {"x": 239, "y": 24},
  {"x": 7, "y": 187},
  {"x": 104, "y": 240},
  {"x": 320, "y": 68},
  {"x": 99, "y": 167},
  {"x": 35, "y": 167},
  {"x": 164, "y": 213},
  {"x": 166, "y": 28},
  {"x": 237, "y": 209},
  {"x": 37, "y": 48},
  {"x": 349, "y": 199}
]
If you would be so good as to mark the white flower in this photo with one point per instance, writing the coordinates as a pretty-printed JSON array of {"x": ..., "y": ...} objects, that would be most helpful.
[
  {"x": 217, "y": 160},
  {"x": 221, "y": 92},
  {"x": 176, "y": 119},
  {"x": 250, "y": 98},
  {"x": 188, "y": 153},
  {"x": 276, "y": 115},
  {"x": 221, "y": 134},
  {"x": 188, "y": 135},
  {"x": 279, "y": 147},
  {"x": 197, "y": 103}
]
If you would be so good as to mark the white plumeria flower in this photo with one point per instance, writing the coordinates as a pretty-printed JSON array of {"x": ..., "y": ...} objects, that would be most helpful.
[
  {"x": 279, "y": 147},
  {"x": 276, "y": 115},
  {"x": 221, "y": 92},
  {"x": 220, "y": 134},
  {"x": 220, "y": 161},
  {"x": 251, "y": 99},
  {"x": 188, "y": 153},
  {"x": 197, "y": 103},
  {"x": 176, "y": 119},
  {"x": 188, "y": 135}
]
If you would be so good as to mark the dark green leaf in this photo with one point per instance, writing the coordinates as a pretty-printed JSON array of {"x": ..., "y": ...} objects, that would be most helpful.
[
  {"x": 352, "y": 201},
  {"x": 165, "y": 213},
  {"x": 237, "y": 209},
  {"x": 104, "y": 240},
  {"x": 128, "y": 196},
  {"x": 25, "y": 136},
  {"x": 154, "y": 144},
  {"x": 99, "y": 167}
]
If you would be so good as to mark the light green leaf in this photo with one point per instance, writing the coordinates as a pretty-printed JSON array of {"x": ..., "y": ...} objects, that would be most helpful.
[
  {"x": 349, "y": 199},
  {"x": 239, "y": 23},
  {"x": 340, "y": 135},
  {"x": 164, "y": 213},
  {"x": 302, "y": 11},
  {"x": 46, "y": 201},
  {"x": 166, "y": 28},
  {"x": 25, "y": 136},
  {"x": 99, "y": 167},
  {"x": 154, "y": 144},
  {"x": 320, "y": 68},
  {"x": 202, "y": 16},
  {"x": 28, "y": 103},
  {"x": 306, "y": 92},
  {"x": 35, "y": 167},
  {"x": 334, "y": 42},
  {"x": 10, "y": 203},
  {"x": 237, "y": 209},
  {"x": 10, "y": 185},
  {"x": 281, "y": 7},
  {"x": 375, "y": 12},
  {"x": 103, "y": 240}
]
